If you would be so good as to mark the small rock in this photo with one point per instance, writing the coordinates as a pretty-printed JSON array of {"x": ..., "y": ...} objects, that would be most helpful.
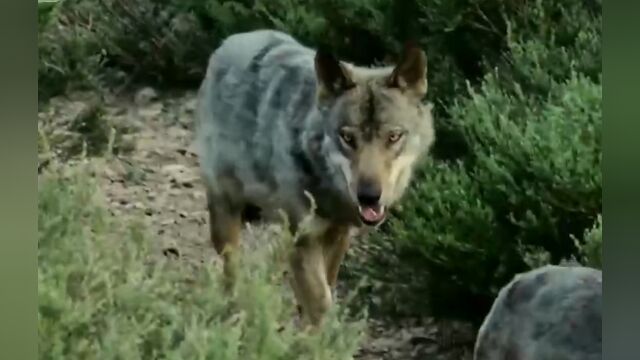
[
  {"x": 168, "y": 222},
  {"x": 197, "y": 195},
  {"x": 151, "y": 112},
  {"x": 174, "y": 192},
  {"x": 192, "y": 150},
  {"x": 383, "y": 344},
  {"x": 173, "y": 169},
  {"x": 145, "y": 96},
  {"x": 180, "y": 175},
  {"x": 190, "y": 105},
  {"x": 176, "y": 132},
  {"x": 171, "y": 251},
  {"x": 188, "y": 184}
]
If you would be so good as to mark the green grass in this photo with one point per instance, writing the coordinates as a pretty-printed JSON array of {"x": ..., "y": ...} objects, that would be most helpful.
[{"x": 103, "y": 296}]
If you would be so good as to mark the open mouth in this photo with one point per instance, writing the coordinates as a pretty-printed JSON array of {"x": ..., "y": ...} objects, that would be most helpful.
[{"x": 372, "y": 215}]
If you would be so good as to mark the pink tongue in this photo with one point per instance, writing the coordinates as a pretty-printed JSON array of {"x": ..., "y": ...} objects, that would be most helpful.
[{"x": 370, "y": 214}]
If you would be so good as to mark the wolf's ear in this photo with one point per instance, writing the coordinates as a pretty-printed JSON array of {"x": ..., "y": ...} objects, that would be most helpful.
[
  {"x": 333, "y": 77},
  {"x": 410, "y": 73}
]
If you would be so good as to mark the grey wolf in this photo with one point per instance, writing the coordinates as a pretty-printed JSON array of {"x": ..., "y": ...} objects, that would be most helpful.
[
  {"x": 549, "y": 313},
  {"x": 277, "y": 120}
]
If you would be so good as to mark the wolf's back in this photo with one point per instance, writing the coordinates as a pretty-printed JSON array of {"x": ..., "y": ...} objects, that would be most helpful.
[
  {"x": 238, "y": 50},
  {"x": 258, "y": 89},
  {"x": 255, "y": 75}
]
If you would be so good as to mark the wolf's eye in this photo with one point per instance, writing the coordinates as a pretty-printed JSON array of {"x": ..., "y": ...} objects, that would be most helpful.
[
  {"x": 395, "y": 136},
  {"x": 348, "y": 138}
]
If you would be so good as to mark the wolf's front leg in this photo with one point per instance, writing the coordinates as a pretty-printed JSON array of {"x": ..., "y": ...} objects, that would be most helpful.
[
  {"x": 309, "y": 280},
  {"x": 315, "y": 262},
  {"x": 335, "y": 244}
]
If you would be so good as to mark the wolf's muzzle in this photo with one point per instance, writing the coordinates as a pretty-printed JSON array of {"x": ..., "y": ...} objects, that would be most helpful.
[{"x": 371, "y": 211}]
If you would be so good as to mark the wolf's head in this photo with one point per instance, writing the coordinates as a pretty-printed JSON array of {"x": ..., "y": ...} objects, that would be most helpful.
[{"x": 375, "y": 127}]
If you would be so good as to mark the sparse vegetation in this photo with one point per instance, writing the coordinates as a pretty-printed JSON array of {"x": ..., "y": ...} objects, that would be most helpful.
[
  {"x": 102, "y": 295},
  {"x": 591, "y": 246}
]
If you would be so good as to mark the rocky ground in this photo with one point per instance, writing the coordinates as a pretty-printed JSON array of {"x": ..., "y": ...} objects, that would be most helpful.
[{"x": 154, "y": 174}]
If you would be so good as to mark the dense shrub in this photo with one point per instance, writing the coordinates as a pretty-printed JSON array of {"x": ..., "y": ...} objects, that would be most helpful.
[
  {"x": 102, "y": 293},
  {"x": 168, "y": 41},
  {"x": 95, "y": 43},
  {"x": 530, "y": 182},
  {"x": 69, "y": 55}
]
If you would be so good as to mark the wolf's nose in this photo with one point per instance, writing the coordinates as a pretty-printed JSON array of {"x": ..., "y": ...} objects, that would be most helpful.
[{"x": 369, "y": 193}]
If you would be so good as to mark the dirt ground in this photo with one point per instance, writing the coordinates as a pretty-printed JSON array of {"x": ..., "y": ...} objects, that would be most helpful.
[{"x": 156, "y": 176}]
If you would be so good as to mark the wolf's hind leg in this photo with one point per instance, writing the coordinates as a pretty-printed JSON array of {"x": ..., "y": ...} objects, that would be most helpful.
[{"x": 225, "y": 225}]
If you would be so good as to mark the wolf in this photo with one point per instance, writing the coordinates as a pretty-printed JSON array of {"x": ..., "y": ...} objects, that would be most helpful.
[
  {"x": 549, "y": 313},
  {"x": 286, "y": 128}
]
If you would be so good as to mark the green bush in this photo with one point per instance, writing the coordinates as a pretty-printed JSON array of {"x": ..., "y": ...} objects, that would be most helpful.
[
  {"x": 591, "y": 246},
  {"x": 102, "y": 293},
  {"x": 167, "y": 42},
  {"x": 530, "y": 181},
  {"x": 97, "y": 43},
  {"x": 69, "y": 54}
]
